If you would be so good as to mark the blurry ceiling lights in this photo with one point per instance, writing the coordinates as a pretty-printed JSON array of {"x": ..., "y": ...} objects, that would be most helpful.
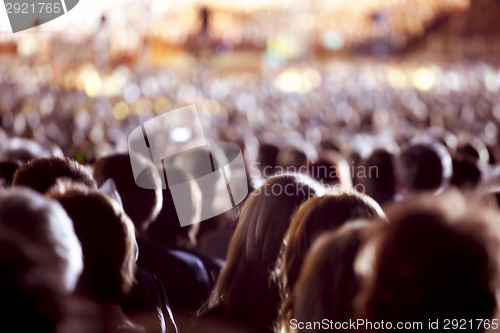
[
  {"x": 121, "y": 110},
  {"x": 424, "y": 79},
  {"x": 160, "y": 7},
  {"x": 397, "y": 78},
  {"x": 297, "y": 81},
  {"x": 332, "y": 40}
]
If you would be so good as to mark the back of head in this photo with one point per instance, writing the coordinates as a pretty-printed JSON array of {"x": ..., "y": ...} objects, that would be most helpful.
[
  {"x": 107, "y": 237},
  {"x": 25, "y": 150},
  {"x": 40, "y": 261},
  {"x": 321, "y": 214},
  {"x": 42, "y": 173},
  {"x": 266, "y": 158},
  {"x": 243, "y": 287},
  {"x": 7, "y": 171},
  {"x": 380, "y": 184},
  {"x": 262, "y": 225},
  {"x": 432, "y": 261},
  {"x": 423, "y": 167},
  {"x": 141, "y": 205},
  {"x": 43, "y": 225},
  {"x": 313, "y": 218},
  {"x": 21, "y": 300},
  {"x": 466, "y": 173},
  {"x": 332, "y": 169},
  {"x": 327, "y": 284},
  {"x": 290, "y": 159}
]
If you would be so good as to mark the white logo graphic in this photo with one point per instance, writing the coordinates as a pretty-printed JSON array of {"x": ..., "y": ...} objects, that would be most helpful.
[
  {"x": 25, "y": 14},
  {"x": 175, "y": 140}
]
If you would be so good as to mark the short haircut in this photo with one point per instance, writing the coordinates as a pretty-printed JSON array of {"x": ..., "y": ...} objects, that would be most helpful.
[
  {"x": 25, "y": 150},
  {"x": 290, "y": 158},
  {"x": 332, "y": 169},
  {"x": 467, "y": 173},
  {"x": 108, "y": 241},
  {"x": 141, "y": 205},
  {"x": 266, "y": 159},
  {"x": 7, "y": 171},
  {"x": 42, "y": 173},
  {"x": 382, "y": 185},
  {"x": 40, "y": 261},
  {"x": 47, "y": 232},
  {"x": 423, "y": 167}
]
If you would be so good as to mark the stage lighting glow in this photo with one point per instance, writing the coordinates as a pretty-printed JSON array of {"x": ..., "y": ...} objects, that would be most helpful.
[
  {"x": 397, "y": 78},
  {"x": 111, "y": 87},
  {"x": 92, "y": 84},
  {"x": 491, "y": 80},
  {"x": 161, "y": 105},
  {"x": 289, "y": 81},
  {"x": 313, "y": 76},
  {"x": 295, "y": 81},
  {"x": 211, "y": 107},
  {"x": 121, "y": 110},
  {"x": 332, "y": 40},
  {"x": 424, "y": 79}
]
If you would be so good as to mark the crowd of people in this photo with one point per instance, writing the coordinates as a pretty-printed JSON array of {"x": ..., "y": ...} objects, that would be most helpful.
[{"x": 367, "y": 203}]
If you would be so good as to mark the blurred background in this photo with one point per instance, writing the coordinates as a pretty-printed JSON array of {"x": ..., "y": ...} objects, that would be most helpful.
[{"x": 255, "y": 70}]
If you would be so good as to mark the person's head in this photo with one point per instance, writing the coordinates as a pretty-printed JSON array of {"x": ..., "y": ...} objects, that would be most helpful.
[
  {"x": 332, "y": 169},
  {"x": 266, "y": 159},
  {"x": 141, "y": 205},
  {"x": 327, "y": 283},
  {"x": 25, "y": 150},
  {"x": 243, "y": 287},
  {"x": 380, "y": 179},
  {"x": 435, "y": 259},
  {"x": 7, "y": 170},
  {"x": 40, "y": 260},
  {"x": 290, "y": 158},
  {"x": 423, "y": 166},
  {"x": 41, "y": 174},
  {"x": 108, "y": 241},
  {"x": 314, "y": 217},
  {"x": 472, "y": 147},
  {"x": 467, "y": 173}
]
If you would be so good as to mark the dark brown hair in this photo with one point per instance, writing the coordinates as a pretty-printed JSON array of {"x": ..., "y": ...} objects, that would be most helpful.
[
  {"x": 108, "y": 241},
  {"x": 314, "y": 217},
  {"x": 40, "y": 261},
  {"x": 141, "y": 205},
  {"x": 327, "y": 283},
  {"x": 243, "y": 289},
  {"x": 433, "y": 260},
  {"x": 41, "y": 174}
]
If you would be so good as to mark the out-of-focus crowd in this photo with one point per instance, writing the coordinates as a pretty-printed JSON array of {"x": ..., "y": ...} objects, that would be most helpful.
[{"x": 373, "y": 195}]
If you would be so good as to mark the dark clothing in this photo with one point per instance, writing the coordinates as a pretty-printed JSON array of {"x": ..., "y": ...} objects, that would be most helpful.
[
  {"x": 183, "y": 275},
  {"x": 212, "y": 266},
  {"x": 147, "y": 304}
]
